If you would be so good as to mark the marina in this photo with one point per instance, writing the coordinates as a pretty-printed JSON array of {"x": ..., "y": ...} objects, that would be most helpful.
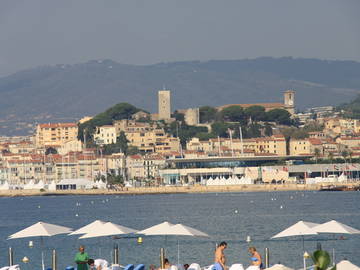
[{"x": 230, "y": 217}]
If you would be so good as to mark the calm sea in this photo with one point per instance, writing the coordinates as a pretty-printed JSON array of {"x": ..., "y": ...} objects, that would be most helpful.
[{"x": 227, "y": 217}]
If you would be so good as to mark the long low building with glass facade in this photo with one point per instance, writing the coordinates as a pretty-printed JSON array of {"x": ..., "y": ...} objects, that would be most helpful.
[{"x": 259, "y": 168}]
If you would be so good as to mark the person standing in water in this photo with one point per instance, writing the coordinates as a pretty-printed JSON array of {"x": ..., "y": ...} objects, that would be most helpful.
[{"x": 220, "y": 259}]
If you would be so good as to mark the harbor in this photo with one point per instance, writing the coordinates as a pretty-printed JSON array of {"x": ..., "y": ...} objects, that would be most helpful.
[{"x": 230, "y": 217}]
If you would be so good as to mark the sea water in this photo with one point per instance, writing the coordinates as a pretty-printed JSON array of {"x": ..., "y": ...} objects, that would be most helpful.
[{"x": 229, "y": 217}]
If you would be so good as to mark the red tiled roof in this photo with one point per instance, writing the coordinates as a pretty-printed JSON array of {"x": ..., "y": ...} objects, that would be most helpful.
[
  {"x": 315, "y": 141},
  {"x": 135, "y": 157},
  {"x": 265, "y": 105}
]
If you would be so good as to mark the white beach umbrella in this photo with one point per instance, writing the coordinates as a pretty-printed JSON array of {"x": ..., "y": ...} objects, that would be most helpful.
[
  {"x": 180, "y": 229},
  {"x": 167, "y": 228},
  {"x": 159, "y": 229},
  {"x": 334, "y": 226},
  {"x": 300, "y": 228},
  {"x": 93, "y": 226},
  {"x": 41, "y": 229},
  {"x": 279, "y": 267},
  {"x": 108, "y": 229},
  {"x": 346, "y": 265}
]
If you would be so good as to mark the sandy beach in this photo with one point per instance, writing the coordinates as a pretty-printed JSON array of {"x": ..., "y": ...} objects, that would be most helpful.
[{"x": 170, "y": 189}]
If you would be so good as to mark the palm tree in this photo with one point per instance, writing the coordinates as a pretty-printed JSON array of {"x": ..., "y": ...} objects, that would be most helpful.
[{"x": 322, "y": 260}]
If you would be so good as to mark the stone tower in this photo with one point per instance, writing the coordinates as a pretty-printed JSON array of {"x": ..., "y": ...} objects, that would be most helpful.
[
  {"x": 289, "y": 101},
  {"x": 164, "y": 105}
]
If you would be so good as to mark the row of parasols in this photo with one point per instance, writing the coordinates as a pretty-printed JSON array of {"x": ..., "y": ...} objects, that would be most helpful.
[{"x": 100, "y": 228}]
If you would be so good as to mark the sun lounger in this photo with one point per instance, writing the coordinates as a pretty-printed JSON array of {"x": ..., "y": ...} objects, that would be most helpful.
[
  {"x": 129, "y": 267},
  {"x": 236, "y": 266},
  {"x": 140, "y": 267},
  {"x": 194, "y": 266}
]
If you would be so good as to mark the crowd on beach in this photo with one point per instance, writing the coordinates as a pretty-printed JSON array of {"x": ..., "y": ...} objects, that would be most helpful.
[{"x": 83, "y": 261}]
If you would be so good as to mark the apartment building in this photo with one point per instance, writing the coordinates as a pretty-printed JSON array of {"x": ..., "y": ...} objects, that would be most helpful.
[
  {"x": 105, "y": 135},
  {"x": 54, "y": 134},
  {"x": 267, "y": 145},
  {"x": 275, "y": 145},
  {"x": 155, "y": 140}
]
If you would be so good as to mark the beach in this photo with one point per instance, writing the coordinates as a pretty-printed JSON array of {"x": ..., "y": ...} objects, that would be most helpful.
[{"x": 174, "y": 190}]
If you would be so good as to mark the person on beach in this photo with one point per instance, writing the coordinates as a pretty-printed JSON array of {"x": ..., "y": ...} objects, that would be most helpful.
[
  {"x": 81, "y": 259},
  {"x": 98, "y": 264},
  {"x": 167, "y": 264},
  {"x": 256, "y": 261},
  {"x": 220, "y": 259}
]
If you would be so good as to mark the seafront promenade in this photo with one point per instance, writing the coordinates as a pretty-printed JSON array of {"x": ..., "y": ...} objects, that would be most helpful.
[{"x": 174, "y": 189}]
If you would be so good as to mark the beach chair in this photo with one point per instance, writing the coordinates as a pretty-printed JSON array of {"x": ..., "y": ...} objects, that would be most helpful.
[
  {"x": 140, "y": 267},
  {"x": 210, "y": 267},
  {"x": 129, "y": 267},
  {"x": 194, "y": 266},
  {"x": 236, "y": 266},
  {"x": 174, "y": 267}
]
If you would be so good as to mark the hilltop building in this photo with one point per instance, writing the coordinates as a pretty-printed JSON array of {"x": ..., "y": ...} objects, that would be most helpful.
[
  {"x": 164, "y": 103},
  {"x": 289, "y": 104},
  {"x": 192, "y": 116}
]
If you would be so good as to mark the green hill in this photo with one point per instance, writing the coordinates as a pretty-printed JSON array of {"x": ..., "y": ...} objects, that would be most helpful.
[{"x": 68, "y": 92}]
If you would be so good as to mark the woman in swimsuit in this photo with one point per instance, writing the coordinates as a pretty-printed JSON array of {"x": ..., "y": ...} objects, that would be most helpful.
[{"x": 255, "y": 257}]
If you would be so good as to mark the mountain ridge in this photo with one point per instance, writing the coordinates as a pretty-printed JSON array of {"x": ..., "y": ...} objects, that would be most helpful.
[{"x": 52, "y": 93}]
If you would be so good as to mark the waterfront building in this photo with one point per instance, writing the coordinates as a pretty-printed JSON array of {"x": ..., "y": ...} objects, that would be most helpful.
[
  {"x": 307, "y": 146},
  {"x": 54, "y": 134}
]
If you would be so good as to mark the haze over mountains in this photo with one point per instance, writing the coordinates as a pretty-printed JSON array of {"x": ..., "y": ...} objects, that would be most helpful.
[{"x": 67, "y": 92}]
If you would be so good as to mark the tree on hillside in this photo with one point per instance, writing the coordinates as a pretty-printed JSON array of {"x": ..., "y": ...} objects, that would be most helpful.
[
  {"x": 207, "y": 114},
  {"x": 280, "y": 116},
  {"x": 256, "y": 113},
  {"x": 117, "y": 112},
  {"x": 204, "y": 136},
  {"x": 234, "y": 114},
  {"x": 351, "y": 109},
  {"x": 178, "y": 116},
  {"x": 184, "y": 132},
  {"x": 268, "y": 130},
  {"x": 253, "y": 131},
  {"x": 220, "y": 129}
]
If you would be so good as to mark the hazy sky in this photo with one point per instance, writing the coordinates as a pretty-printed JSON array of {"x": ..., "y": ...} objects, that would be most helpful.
[{"x": 38, "y": 32}]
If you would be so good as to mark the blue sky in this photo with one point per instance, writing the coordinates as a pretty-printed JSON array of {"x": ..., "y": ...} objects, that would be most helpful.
[{"x": 42, "y": 32}]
